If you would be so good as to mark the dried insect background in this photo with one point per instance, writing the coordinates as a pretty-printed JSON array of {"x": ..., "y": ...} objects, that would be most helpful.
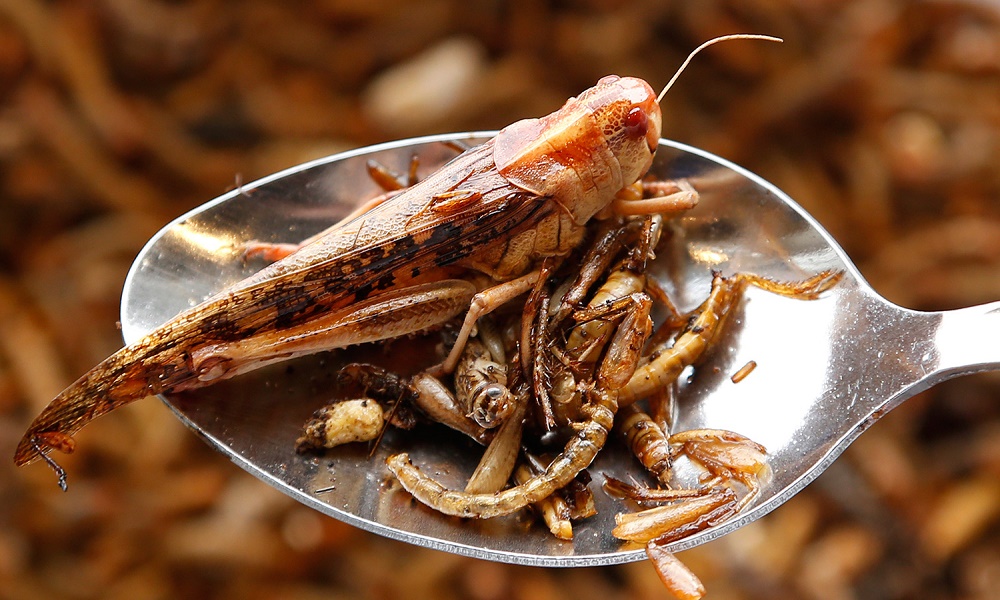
[{"x": 881, "y": 117}]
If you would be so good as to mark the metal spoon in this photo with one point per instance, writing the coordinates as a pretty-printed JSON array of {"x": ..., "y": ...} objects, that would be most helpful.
[{"x": 826, "y": 369}]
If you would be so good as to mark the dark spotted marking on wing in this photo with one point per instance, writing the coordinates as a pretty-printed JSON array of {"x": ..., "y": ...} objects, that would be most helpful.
[{"x": 317, "y": 279}]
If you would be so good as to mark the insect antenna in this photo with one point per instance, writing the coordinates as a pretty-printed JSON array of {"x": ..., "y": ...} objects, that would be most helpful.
[
  {"x": 385, "y": 425},
  {"x": 723, "y": 38}
]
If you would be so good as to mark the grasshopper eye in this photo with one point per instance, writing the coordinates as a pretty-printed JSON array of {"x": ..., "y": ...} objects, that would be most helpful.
[{"x": 636, "y": 123}]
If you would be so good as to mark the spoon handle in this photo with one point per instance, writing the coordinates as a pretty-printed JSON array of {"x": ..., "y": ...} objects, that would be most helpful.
[{"x": 967, "y": 340}]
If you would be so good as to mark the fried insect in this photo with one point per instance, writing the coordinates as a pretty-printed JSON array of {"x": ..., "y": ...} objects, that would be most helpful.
[
  {"x": 532, "y": 350},
  {"x": 676, "y": 577},
  {"x": 590, "y": 435},
  {"x": 355, "y": 420},
  {"x": 647, "y": 441},
  {"x": 481, "y": 386},
  {"x": 587, "y": 441},
  {"x": 743, "y": 371},
  {"x": 727, "y": 456}
]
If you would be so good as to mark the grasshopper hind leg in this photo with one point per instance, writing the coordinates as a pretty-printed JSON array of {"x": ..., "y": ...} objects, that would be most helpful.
[{"x": 406, "y": 311}]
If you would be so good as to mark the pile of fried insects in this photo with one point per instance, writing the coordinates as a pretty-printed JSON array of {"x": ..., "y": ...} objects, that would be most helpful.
[{"x": 579, "y": 355}]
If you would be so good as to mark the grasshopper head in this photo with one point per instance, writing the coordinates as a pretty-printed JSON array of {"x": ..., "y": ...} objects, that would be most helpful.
[
  {"x": 629, "y": 112},
  {"x": 587, "y": 151},
  {"x": 594, "y": 146},
  {"x": 629, "y": 116}
]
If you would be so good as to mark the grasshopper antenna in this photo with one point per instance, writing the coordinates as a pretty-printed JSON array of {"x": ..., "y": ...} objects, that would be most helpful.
[{"x": 723, "y": 38}]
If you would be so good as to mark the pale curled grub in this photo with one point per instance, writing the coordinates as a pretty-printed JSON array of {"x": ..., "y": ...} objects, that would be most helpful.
[{"x": 358, "y": 420}]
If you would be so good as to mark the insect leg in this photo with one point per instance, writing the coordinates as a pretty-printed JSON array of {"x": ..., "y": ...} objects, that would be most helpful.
[
  {"x": 594, "y": 265},
  {"x": 645, "y": 495},
  {"x": 534, "y": 343},
  {"x": 391, "y": 314},
  {"x": 807, "y": 289},
  {"x": 482, "y": 304},
  {"x": 684, "y": 198},
  {"x": 437, "y": 402}
]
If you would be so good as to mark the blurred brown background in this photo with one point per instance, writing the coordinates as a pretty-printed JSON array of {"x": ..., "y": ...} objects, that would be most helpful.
[{"x": 881, "y": 117}]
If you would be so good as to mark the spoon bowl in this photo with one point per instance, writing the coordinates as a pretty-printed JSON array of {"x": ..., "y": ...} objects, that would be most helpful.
[{"x": 826, "y": 369}]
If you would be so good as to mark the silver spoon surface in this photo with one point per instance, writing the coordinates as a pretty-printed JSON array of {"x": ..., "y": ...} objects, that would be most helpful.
[{"x": 826, "y": 369}]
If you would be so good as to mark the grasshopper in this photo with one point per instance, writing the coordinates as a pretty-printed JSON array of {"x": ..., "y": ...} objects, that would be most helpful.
[{"x": 469, "y": 237}]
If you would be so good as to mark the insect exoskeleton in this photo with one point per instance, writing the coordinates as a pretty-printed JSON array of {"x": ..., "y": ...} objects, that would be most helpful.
[
  {"x": 481, "y": 386},
  {"x": 352, "y": 420}
]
